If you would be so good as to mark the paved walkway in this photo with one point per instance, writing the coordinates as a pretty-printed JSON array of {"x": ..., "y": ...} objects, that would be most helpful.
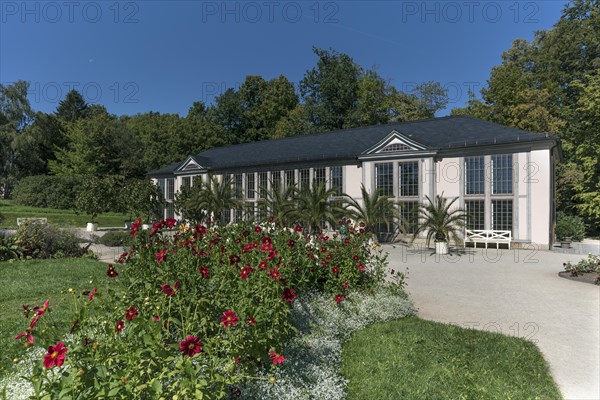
[{"x": 516, "y": 292}]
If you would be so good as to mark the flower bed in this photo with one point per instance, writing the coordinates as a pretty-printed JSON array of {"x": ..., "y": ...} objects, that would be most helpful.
[
  {"x": 587, "y": 266},
  {"x": 194, "y": 311}
]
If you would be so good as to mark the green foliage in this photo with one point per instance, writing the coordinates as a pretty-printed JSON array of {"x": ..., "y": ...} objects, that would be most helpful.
[
  {"x": 279, "y": 203},
  {"x": 38, "y": 240},
  {"x": 72, "y": 107},
  {"x": 96, "y": 196},
  {"x": 314, "y": 206},
  {"x": 140, "y": 197},
  {"x": 48, "y": 191},
  {"x": 185, "y": 284},
  {"x": 212, "y": 198},
  {"x": 569, "y": 226},
  {"x": 439, "y": 222},
  {"x": 9, "y": 250},
  {"x": 186, "y": 208},
  {"x": 115, "y": 238},
  {"x": 589, "y": 264},
  {"x": 441, "y": 361},
  {"x": 375, "y": 209}
]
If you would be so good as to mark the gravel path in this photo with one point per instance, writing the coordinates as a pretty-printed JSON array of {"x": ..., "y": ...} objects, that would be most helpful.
[{"x": 515, "y": 292}]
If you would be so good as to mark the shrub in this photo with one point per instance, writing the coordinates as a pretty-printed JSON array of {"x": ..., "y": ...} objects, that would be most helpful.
[
  {"x": 199, "y": 309},
  {"x": 9, "y": 250},
  {"x": 48, "y": 191},
  {"x": 115, "y": 238},
  {"x": 589, "y": 264},
  {"x": 37, "y": 240},
  {"x": 569, "y": 226}
]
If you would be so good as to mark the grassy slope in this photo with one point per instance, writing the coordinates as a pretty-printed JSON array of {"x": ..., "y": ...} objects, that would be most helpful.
[
  {"x": 32, "y": 282},
  {"x": 62, "y": 218},
  {"x": 417, "y": 359}
]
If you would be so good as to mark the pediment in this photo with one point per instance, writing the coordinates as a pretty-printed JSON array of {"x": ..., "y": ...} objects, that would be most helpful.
[
  {"x": 190, "y": 165},
  {"x": 395, "y": 143}
]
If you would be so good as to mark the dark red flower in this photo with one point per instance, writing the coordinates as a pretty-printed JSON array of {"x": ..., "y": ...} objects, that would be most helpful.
[
  {"x": 276, "y": 358},
  {"x": 161, "y": 256},
  {"x": 55, "y": 356},
  {"x": 203, "y": 271},
  {"x": 248, "y": 248},
  {"x": 266, "y": 247},
  {"x": 27, "y": 335},
  {"x": 170, "y": 222},
  {"x": 93, "y": 293},
  {"x": 177, "y": 284},
  {"x": 355, "y": 257},
  {"x": 339, "y": 298},
  {"x": 346, "y": 241},
  {"x": 111, "y": 272},
  {"x": 119, "y": 326},
  {"x": 234, "y": 259},
  {"x": 39, "y": 311},
  {"x": 246, "y": 270},
  {"x": 168, "y": 290},
  {"x": 262, "y": 265},
  {"x": 135, "y": 227},
  {"x": 155, "y": 318},
  {"x": 250, "y": 320},
  {"x": 122, "y": 258},
  {"x": 298, "y": 228},
  {"x": 346, "y": 285},
  {"x": 361, "y": 267},
  {"x": 130, "y": 313},
  {"x": 257, "y": 229},
  {"x": 191, "y": 345},
  {"x": 229, "y": 318},
  {"x": 288, "y": 295},
  {"x": 291, "y": 243},
  {"x": 272, "y": 255},
  {"x": 274, "y": 273},
  {"x": 335, "y": 270}
]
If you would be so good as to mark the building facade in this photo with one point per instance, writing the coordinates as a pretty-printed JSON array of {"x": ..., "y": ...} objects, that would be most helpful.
[{"x": 503, "y": 177}]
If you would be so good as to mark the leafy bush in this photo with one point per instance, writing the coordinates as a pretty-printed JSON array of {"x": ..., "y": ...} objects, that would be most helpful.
[
  {"x": 115, "y": 238},
  {"x": 589, "y": 264},
  {"x": 37, "y": 240},
  {"x": 199, "y": 309},
  {"x": 48, "y": 191},
  {"x": 140, "y": 197},
  {"x": 9, "y": 250},
  {"x": 569, "y": 226}
]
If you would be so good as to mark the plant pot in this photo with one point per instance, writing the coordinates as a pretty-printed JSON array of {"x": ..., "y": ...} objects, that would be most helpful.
[
  {"x": 91, "y": 227},
  {"x": 566, "y": 243},
  {"x": 145, "y": 227},
  {"x": 128, "y": 224},
  {"x": 441, "y": 247}
]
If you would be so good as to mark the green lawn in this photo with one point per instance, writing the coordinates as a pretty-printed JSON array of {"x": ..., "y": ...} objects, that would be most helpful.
[
  {"x": 32, "y": 282},
  {"x": 416, "y": 359},
  {"x": 62, "y": 218}
]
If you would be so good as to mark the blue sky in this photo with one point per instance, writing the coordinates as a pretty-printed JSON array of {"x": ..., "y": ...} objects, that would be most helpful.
[{"x": 139, "y": 56}]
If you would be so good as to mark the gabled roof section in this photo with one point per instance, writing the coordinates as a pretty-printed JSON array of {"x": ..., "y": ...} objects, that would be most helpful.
[
  {"x": 190, "y": 165},
  {"x": 395, "y": 142}
]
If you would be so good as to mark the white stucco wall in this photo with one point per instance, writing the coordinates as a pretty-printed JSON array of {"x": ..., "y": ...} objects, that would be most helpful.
[
  {"x": 539, "y": 178},
  {"x": 353, "y": 180},
  {"x": 448, "y": 177}
]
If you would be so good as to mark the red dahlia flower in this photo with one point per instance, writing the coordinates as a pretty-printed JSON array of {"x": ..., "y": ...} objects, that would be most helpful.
[
  {"x": 288, "y": 295},
  {"x": 55, "y": 356},
  {"x": 339, "y": 298},
  {"x": 27, "y": 335},
  {"x": 246, "y": 270},
  {"x": 119, "y": 326},
  {"x": 251, "y": 320},
  {"x": 229, "y": 318},
  {"x": 298, "y": 228},
  {"x": 191, "y": 345},
  {"x": 203, "y": 271},
  {"x": 168, "y": 290},
  {"x": 276, "y": 358},
  {"x": 257, "y": 229},
  {"x": 130, "y": 313},
  {"x": 170, "y": 222},
  {"x": 161, "y": 256},
  {"x": 291, "y": 243},
  {"x": 135, "y": 227},
  {"x": 361, "y": 267},
  {"x": 335, "y": 270},
  {"x": 274, "y": 273},
  {"x": 93, "y": 293}
]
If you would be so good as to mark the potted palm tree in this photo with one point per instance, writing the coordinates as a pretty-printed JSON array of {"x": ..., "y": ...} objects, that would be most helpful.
[
  {"x": 375, "y": 209},
  {"x": 440, "y": 223},
  {"x": 314, "y": 206},
  {"x": 278, "y": 203},
  {"x": 212, "y": 198}
]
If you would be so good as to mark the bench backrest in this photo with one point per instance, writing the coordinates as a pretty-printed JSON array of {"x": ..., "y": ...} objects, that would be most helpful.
[
  {"x": 489, "y": 235},
  {"x": 40, "y": 220}
]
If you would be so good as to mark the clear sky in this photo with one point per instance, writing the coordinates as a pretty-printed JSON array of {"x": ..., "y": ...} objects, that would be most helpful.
[{"x": 139, "y": 56}]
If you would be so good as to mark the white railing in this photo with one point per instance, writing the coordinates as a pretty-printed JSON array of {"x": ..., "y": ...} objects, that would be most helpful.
[{"x": 487, "y": 236}]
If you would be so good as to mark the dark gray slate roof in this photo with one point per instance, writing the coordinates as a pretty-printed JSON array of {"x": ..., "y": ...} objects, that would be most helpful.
[{"x": 348, "y": 144}]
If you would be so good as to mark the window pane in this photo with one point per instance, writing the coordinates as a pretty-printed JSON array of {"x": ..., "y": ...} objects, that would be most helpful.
[
  {"x": 249, "y": 211},
  {"x": 320, "y": 176},
  {"x": 304, "y": 178},
  {"x": 476, "y": 211},
  {"x": 186, "y": 182},
  {"x": 408, "y": 173},
  {"x": 502, "y": 215},
  {"x": 336, "y": 180},
  {"x": 384, "y": 178},
  {"x": 262, "y": 184},
  {"x": 276, "y": 180},
  {"x": 290, "y": 178},
  {"x": 250, "y": 186},
  {"x": 225, "y": 217},
  {"x": 409, "y": 212},
  {"x": 474, "y": 175},
  {"x": 170, "y": 188},
  {"x": 502, "y": 175}
]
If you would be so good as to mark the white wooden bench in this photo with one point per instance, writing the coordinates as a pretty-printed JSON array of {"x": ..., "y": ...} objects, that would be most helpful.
[
  {"x": 487, "y": 236},
  {"x": 39, "y": 220}
]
